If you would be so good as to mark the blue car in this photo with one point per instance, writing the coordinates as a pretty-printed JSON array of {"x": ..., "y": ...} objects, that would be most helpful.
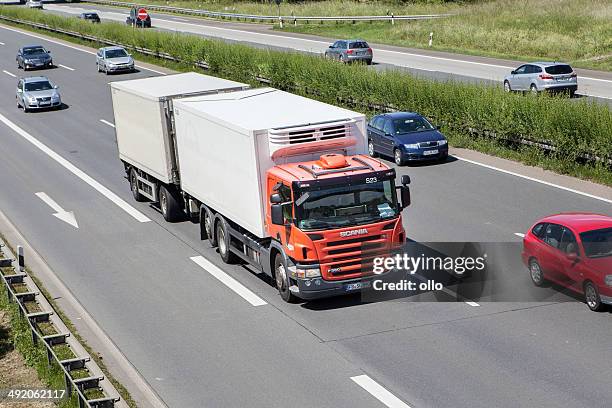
[{"x": 405, "y": 136}]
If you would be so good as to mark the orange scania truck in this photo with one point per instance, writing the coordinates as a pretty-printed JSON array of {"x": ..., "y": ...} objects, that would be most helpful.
[{"x": 274, "y": 179}]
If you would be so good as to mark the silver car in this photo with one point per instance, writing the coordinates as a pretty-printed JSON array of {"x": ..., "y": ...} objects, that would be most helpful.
[
  {"x": 114, "y": 59},
  {"x": 37, "y": 93},
  {"x": 350, "y": 51},
  {"x": 35, "y": 4},
  {"x": 542, "y": 76}
]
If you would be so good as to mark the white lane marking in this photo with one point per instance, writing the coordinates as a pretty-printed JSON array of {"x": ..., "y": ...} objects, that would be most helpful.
[
  {"x": 1, "y": 43},
  {"x": 68, "y": 68},
  {"x": 473, "y": 304},
  {"x": 546, "y": 183},
  {"x": 9, "y": 73},
  {"x": 519, "y": 234},
  {"x": 66, "y": 216},
  {"x": 379, "y": 392},
  {"x": 228, "y": 281},
  {"x": 76, "y": 171},
  {"x": 106, "y": 122},
  {"x": 71, "y": 46}
]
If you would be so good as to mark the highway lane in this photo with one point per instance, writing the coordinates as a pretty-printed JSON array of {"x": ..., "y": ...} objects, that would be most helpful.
[
  {"x": 592, "y": 83},
  {"x": 228, "y": 345}
]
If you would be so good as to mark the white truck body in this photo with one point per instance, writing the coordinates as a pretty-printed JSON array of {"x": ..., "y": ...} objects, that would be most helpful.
[
  {"x": 227, "y": 142},
  {"x": 143, "y": 118}
]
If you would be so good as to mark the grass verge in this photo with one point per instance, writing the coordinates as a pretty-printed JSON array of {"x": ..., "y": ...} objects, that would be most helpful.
[{"x": 574, "y": 128}]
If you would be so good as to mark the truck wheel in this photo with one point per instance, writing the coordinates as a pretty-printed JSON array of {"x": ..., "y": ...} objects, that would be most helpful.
[
  {"x": 223, "y": 240},
  {"x": 170, "y": 203},
  {"x": 206, "y": 226},
  {"x": 281, "y": 277},
  {"x": 134, "y": 187}
]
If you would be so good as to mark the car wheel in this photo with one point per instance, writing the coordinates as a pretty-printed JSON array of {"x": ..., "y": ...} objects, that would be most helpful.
[
  {"x": 371, "y": 150},
  {"x": 533, "y": 89},
  {"x": 134, "y": 187},
  {"x": 592, "y": 298},
  {"x": 97, "y": 67},
  {"x": 105, "y": 70},
  {"x": 369, "y": 62},
  {"x": 281, "y": 278},
  {"x": 397, "y": 155},
  {"x": 572, "y": 94},
  {"x": 507, "y": 87},
  {"x": 342, "y": 59},
  {"x": 223, "y": 240},
  {"x": 535, "y": 271}
]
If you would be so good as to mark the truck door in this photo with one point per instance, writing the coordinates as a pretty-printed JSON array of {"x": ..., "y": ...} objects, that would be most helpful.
[{"x": 280, "y": 232}]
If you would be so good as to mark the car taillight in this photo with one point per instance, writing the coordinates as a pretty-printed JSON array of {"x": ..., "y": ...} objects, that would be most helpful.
[
  {"x": 369, "y": 50},
  {"x": 544, "y": 76},
  {"x": 349, "y": 51}
]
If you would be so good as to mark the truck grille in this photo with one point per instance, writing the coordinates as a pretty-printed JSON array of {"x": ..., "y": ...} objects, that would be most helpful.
[{"x": 309, "y": 135}]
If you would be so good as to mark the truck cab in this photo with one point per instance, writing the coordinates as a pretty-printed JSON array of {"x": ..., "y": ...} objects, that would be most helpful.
[{"x": 332, "y": 217}]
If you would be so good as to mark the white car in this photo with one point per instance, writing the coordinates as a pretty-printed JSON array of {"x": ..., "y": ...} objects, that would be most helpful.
[{"x": 35, "y": 4}]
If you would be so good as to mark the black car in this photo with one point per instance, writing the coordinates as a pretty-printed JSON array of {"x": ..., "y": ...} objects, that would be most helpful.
[
  {"x": 90, "y": 16},
  {"x": 405, "y": 136},
  {"x": 34, "y": 56},
  {"x": 138, "y": 18}
]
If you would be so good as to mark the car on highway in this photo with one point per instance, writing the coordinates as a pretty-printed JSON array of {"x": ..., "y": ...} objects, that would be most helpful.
[
  {"x": 114, "y": 59},
  {"x": 89, "y": 16},
  {"x": 139, "y": 17},
  {"x": 350, "y": 51},
  {"x": 35, "y": 4},
  {"x": 542, "y": 76},
  {"x": 37, "y": 93},
  {"x": 405, "y": 136},
  {"x": 33, "y": 56},
  {"x": 573, "y": 250}
]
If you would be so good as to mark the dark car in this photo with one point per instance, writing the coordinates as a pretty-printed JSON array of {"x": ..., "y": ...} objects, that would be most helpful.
[
  {"x": 34, "y": 56},
  {"x": 90, "y": 16},
  {"x": 350, "y": 51},
  {"x": 405, "y": 136},
  {"x": 138, "y": 18},
  {"x": 573, "y": 250}
]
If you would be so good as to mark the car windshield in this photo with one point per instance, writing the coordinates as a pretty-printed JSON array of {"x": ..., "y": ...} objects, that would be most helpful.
[
  {"x": 116, "y": 53},
  {"x": 559, "y": 69},
  {"x": 345, "y": 205},
  {"x": 409, "y": 125},
  {"x": 597, "y": 243},
  {"x": 359, "y": 44},
  {"x": 33, "y": 50},
  {"x": 38, "y": 86},
  {"x": 91, "y": 15}
]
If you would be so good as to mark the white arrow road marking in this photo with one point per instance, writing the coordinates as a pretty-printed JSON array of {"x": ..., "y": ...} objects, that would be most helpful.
[
  {"x": 9, "y": 73},
  {"x": 379, "y": 392},
  {"x": 66, "y": 216}
]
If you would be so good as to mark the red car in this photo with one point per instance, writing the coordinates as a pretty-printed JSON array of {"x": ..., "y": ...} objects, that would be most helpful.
[{"x": 573, "y": 250}]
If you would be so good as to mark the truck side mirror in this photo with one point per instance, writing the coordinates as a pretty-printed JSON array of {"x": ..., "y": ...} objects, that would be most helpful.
[
  {"x": 405, "y": 193},
  {"x": 405, "y": 180},
  {"x": 276, "y": 198},
  {"x": 276, "y": 213}
]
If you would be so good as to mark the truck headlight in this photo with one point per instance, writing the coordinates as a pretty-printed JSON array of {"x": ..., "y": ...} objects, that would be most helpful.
[
  {"x": 411, "y": 146},
  {"x": 608, "y": 280},
  {"x": 304, "y": 273}
]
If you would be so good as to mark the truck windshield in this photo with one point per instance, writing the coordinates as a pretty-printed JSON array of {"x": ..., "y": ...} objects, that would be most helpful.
[{"x": 345, "y": 205}]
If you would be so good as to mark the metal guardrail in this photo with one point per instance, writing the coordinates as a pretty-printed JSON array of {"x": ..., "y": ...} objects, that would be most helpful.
[
  {"x": 263, "y": 18},
  {"x": 78, "y": 386},
  {"x": 545, "y": 145}
]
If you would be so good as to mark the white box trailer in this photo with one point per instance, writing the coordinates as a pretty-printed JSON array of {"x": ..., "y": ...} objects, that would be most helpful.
[
  {"x": 227, "y": 142},
  {"x": 144, "y": 119}
]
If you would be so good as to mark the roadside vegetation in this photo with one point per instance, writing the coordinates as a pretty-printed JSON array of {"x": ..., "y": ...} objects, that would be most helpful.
[
  {"x": 574, "y": 31},
  {"x": 473, "y": 116}
]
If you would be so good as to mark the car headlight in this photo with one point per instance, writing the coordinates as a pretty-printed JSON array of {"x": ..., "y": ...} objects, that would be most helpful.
[
  {"x": 411, "y": 146},
  {"x": 55, "y": 97},
  {"x": 442, "y": 142},
  {"x": 302, "y": 273},
  {"x": 31, "y": 99},
  {"x": 608, "y": 280}
]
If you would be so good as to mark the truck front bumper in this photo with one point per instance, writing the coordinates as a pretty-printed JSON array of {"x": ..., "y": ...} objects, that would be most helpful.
[{"x": 318, "y": 288}]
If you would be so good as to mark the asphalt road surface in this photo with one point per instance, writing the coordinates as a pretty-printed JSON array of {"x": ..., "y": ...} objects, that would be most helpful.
[
  {"x": 439, "y": 65},
  {"x": 200, "y": 344}
]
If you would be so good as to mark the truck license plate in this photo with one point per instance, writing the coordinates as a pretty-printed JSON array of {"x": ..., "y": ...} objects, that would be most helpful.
[
  {"x": 357, "y": 286},
  {"x": 430, "y": 152}
]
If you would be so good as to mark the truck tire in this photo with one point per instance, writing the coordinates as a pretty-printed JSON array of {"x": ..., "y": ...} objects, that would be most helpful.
[
  {"x": 223, "y": 240},
  {"x": 134, "y": 187},
  {"x": 170, "y": 203},
  {"x": 206, "y": 226},
  {"x": 281, "y": 278}
]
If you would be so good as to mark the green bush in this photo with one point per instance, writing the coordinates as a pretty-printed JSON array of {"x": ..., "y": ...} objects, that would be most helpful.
[{"x": 573, "y": 127}]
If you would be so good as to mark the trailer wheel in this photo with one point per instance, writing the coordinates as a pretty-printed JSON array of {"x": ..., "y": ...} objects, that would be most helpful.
[
  {"x": 170, "y": 203},
  {"x": 134, "y": 187},
  {"x": 281, "y": 277},
  {"x": 223, "y": 240}
]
